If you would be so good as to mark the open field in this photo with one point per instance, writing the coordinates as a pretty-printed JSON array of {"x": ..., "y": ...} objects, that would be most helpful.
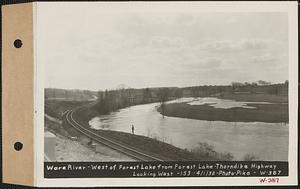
[{"x": 273, "y": 113}]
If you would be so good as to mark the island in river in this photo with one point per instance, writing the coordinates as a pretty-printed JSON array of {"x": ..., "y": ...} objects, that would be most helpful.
[{"x": 233, "y": 108}]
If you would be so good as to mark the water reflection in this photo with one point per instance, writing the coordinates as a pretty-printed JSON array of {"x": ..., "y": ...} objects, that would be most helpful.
[{"x": 267, "y": 141}]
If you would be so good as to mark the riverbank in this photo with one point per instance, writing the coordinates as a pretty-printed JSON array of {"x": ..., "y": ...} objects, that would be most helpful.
[{"x": 275, "y": 110}]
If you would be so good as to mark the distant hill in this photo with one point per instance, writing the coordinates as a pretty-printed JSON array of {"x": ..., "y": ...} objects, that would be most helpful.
[{"x": 70, "y": 94}]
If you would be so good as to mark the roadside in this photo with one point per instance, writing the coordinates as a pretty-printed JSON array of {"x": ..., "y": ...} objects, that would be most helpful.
[{"x": 67, "y": 149}]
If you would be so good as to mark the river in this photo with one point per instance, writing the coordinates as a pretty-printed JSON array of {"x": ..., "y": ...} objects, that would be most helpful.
[{"x": 266, "y": 141}]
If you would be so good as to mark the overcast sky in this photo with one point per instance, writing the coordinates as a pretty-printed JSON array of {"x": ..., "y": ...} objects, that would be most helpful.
[{"x": 91, "y": 47}]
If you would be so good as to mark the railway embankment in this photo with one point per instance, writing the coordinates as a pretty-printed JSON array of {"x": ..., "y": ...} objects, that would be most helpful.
[{"x": 68, "y": 148}]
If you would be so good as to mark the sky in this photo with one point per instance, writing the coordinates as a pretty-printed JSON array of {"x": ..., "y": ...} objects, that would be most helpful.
[{"x": 98, "y": 47}]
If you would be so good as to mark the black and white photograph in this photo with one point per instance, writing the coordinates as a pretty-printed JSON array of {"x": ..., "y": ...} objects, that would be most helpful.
[{"x": 123, "y": 84}]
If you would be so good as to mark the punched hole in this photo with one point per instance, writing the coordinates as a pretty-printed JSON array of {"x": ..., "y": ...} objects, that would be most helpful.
[
  {"x": 18, "y": 43},
  {"x": 18, "y": 146}
]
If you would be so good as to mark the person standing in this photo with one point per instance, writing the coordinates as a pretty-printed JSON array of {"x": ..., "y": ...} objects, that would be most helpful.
[{"x": 132, "y": 129}]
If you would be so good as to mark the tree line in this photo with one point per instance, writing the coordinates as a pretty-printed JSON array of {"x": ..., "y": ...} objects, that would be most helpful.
[{"x": 111, "y": 100}]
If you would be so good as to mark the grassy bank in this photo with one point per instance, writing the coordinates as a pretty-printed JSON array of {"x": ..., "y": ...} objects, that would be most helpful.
[
  {"x": 275, "y": 112},
  {"x": 272, "y": 113}
]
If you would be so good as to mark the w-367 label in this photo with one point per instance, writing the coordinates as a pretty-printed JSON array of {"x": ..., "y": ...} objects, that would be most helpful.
[{"x": 268, "y": 180}]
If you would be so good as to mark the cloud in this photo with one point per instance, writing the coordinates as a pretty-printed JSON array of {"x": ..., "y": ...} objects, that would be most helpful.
[
  {"x": 265, "y": 58},
  {"x": 231, "y": 20},
  {"x": 185, "y": 19},
  {"x": 160, "y": 48},
  {"x": 253, "y": 44},
  {"x": 211, "y": 63},
  {"x": 228, "y": 46},
  {"x": 166, "y": 42},
  {"x": 206, "y": 63}
]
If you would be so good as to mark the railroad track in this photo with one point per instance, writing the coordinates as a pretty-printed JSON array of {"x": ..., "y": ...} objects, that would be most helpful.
[{"x": 140, "y": 156}]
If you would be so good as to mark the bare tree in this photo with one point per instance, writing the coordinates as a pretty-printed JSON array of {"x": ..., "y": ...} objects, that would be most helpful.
[
  {"x": 178, "y": 93},
  {"x": 147, "y": 95},
  {"x": 261, "y": 82},
  {"x": 163, "y": 95},
  {"x": 286, "y": 82}
]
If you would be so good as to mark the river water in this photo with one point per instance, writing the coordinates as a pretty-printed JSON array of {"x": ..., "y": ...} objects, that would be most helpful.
[{"x": 266, "y": 141}]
